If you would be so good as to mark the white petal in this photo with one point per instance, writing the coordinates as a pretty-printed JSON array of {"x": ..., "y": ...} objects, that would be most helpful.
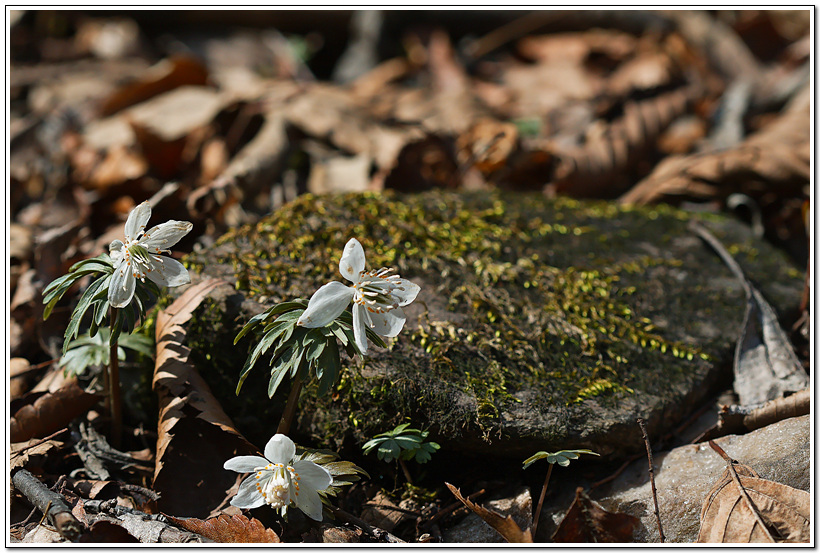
[
  {"x": 247, "y": 497},
  {"x": 169, "y": 272},
  {"x": 115, "y": 251},
  {"x": 122, "y": 285},
  {"x": 165, "y": 235},
  {"x": 245, "y": 463},
  {"x": 388, "y": 324},
  {"x": 326, "y": 304},
  {"x": 359, "y": 320},
  {"x": 308, "y": 501},
  {"x": 406, "y": 292},
  {"x": 280, "y": 449},
  {"x": 137, "y": 220},
  {"x": 313, "y": 475},
  {"x": 352, "y": 262}
]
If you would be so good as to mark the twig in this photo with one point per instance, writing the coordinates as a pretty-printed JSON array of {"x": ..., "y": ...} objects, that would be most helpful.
[
  {"x": 642, "y": 424},
  {"x": 378, "y": 533},
  {"x": 41, "y": 441},
  {"x": 50, "y": 503},
  {"x": 541, "y": 501},
  {"x": 749, "y": 503}
]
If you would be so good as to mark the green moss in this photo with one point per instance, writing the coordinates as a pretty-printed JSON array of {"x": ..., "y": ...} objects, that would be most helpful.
[{"x": 561, "y": 297}]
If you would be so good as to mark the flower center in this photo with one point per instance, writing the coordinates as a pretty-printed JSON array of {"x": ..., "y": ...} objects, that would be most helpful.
[
  {"x": 274, "y": 483},
  {"x": 375, "y": 290}
]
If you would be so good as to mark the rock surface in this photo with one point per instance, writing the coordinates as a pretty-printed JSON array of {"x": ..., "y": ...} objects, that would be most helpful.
[
  {"x": 780, "y": 452},
  {"x": 541, "y": 324}
]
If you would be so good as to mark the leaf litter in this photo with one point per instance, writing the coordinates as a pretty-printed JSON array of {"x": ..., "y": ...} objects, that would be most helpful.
[{"x": 564, "y": 102}]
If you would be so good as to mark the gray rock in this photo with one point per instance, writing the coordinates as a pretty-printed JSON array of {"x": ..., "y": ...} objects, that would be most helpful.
[
  {"x": 780, "y": 452},
  {"x": 541, "y": 324}
]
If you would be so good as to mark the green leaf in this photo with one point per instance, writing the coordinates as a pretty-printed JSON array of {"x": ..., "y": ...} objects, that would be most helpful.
[{"x": 560, "y": 457}]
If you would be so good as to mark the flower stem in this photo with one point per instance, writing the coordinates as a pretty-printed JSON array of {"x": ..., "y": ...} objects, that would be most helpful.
[
  {"x": 406, "y": 472},
  {"x": 114, "y": 386},
  {"x": 540, "y": 502},
  {"x": 290, "y": 407}
]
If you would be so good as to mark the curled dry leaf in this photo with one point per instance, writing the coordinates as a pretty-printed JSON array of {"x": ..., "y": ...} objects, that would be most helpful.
[
  {"x": 195, "y": 436},
  {"x": 596, "y": 168},
  {"x": 50, "y": 412},
  {"x": 260, "y": 161},
  {"x": 229, "y": 529},
  {"x": 588, "y": 522},
  {"x": 774, "y": 160},
  {"x": 505, "y": 526},
  {"x": 727, "y": 516}
]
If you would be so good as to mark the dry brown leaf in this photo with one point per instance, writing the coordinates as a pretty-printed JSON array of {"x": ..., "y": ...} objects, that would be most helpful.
[
  {"x": 727, "y": 518},
  {"x": 487, "y": 145},
  {"x": 229, "y": 529},
  {"x": 505, "y": 526},
  {"x": 775, "y": 159},
  {"x": 259, "y": 162},
  {"x": 588, "y": 522},
  {"x": 598, "y": 168},
  {"x": 32, "y": 453},
  {"x": 195, "y": 436},
  {"x": 50, "y": 412},
  {"x": 166, "y": 75}
]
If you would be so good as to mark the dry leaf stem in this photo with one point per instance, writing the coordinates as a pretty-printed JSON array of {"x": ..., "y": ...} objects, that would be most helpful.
[
  {"x": 743, "y": 493},
  {"x": 642, "y": 424}
]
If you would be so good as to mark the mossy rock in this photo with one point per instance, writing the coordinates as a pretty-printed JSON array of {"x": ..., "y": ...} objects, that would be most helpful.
[{"x": 541, "y": 324}]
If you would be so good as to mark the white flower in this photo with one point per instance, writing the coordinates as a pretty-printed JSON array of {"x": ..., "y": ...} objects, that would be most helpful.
[
  {"x": 139, "y": 256},
  {"x": 280, "y": 479},
  {"x": 378, "y": 297}
]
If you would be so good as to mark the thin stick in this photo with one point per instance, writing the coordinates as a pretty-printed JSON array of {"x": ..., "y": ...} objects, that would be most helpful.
[
  {"x": 642, "y": 424},
  {"x": 749, "y": 503},
  {"x": 540, "y": 502},
  {"x": 114, "y": 387},
  {"x": 290, "y": 407}
]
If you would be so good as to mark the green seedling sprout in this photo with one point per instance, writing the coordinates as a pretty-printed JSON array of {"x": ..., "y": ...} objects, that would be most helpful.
[
  {"x": 403, "y": 444},
  {"x": 562, "y": 458}
]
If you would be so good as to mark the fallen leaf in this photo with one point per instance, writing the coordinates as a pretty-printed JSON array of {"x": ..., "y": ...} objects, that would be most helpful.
[
  {"x": 727, "y": 517},
  {"x": 32, "y": 453},
  {"x": 50, "y": 412},
  {"x": 765, "y": 365},
  {"x": 774, "y": 160},
  {"x": 588, "y": 522},
  {"x": 229, "y": 529},
  {"x": 195, "y": 436},
  {"x": 505, "y": 526},
  {"x": 166, "y": 75}
]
